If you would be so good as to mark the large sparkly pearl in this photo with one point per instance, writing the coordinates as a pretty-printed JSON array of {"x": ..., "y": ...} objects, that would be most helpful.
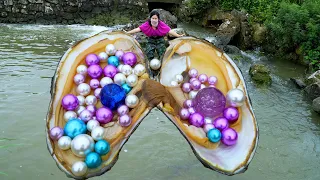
[
  {"x": 83, "y": 89},
  {"x": 212, "y": 80},
  {"x": 97, "y": 92},
  {"x": 203, "y": 78},
  {"x": 70, "y": 102},
  {"x": 188, "y": 103},
  {"x": 110, "y": 49},
  {"x": 97, "y": 133},
  {"x": 69, "y": 114},
  {"x": 208, "y": 127},
  {"x": 106, "y": 80},
  {"x": 110, "y": 71},
  {"x": 196, "y": 84},
  {"x": 92, "y": 59},
  {"x": 192, "y": 94},
  {"x": 126, "y": 69},
  {"x": 64, "y": 143},
  {"x": 82, "y": 69},
  {"x": 94, "y": 83},
  {"x": 95, "y": 71},
  {"x": 132, "y": 101},
  {"x": 56, "y": 133},
  {"x": 85, "y": 115},
  {"x": 92, "y": 124},
  {"x": 139, "y": 70},
  {"x": 79, "y": 168},
  {"x": 122, "y": 110},
  {"x": 235, "y": 97},
  {"x": 179, "y": 78},
  {"x": 186, "y": 87},
  {"x": 91, "y": 100},
  {"x": 82, "y": 144},
  {"x": 193, "y": 73},
  {"x": 155, "y": 64},
  {"x": 184, "y": 114},
  {"x": 103, "y": 57},
  {"x": 132, "y": 80},
  {"x": 119, "y": 79},
  {"x": 91, "y": 108},
  {"x": 80, "y": 109},
  {"x": 125, "y": 120},
  {"x": 79, "y": 78},
  {"x": 81, "y": 100}
]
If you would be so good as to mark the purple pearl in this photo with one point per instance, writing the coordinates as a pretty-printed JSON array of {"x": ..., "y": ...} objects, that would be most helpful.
[
  {"x": 188, "y": 103},
  {"x": 110, "y": 71},
  {"x": 184, "y": 114},
  {"x": 94, "y": 83},
  {"x": 125, "y": 120},
  {"x": 56, "y": 133},
  {"x": 191, "y": 110},
  {"x": 70, "y": 102},
  {"x": 231, "y": 114},
  {"x": 97, "y": 93},
  {"x": 221, "y": 123},
  {"x": 212, "y": 80},
  {"x": 196, "y": 84},
  {"x": 92, "y": 59},
  {"x": 193, "y": 73},
  {"x": 229, "y": 137},
  {"x": 91, "y": 108},
  {"x": 119, "y": 54},
  {"x": 85, "y": 115},
  {"x": 208, "y": 127},
  {"x": 104, "y": 115},
  {"x": 203, "y": 78},
  {"x": 79, "y": 78},
  {"x": 122, "y": 110},
  {"x": 95, "y": 71},
  {"x": 186, "y": 87},
  {"x": 196, "y": 119},
  {"x": 129, "y": 58},
  {"x": 192, "y": 79}
]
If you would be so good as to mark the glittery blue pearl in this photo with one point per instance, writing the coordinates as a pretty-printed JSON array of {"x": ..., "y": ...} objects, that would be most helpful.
[
  {"x": 93, "y": 160},
  {"x": 113, "y": 60},
  {"x": 112, "y": 96},
  {"x": 126, "y": 87},
  {"x": 75, "y": 127},
  {"x": 102, "y": 147},
  {"x": 214, "y": 135}
]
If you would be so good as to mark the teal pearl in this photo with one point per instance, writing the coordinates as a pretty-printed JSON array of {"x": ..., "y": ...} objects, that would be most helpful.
[
  {"x": 74, "y": 127},
  {"x": 93, "y": 160},
  {"x": 113, "y": 60},
  {"x": 126, "y": 88},
  {"x": 102, "y": 147},
  {"x": 214, "y": 135}
]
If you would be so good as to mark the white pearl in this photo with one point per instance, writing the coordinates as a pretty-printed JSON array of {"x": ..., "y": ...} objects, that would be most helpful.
[
  {"x": 83, "y": 89},
  {"x": 91, "y": 100},
  {"x": 110, "y": 49},
  {"x": 106, "y": 80},
  {"x": 131, "y": 101},
  {"x": 82, "y": 144},
  {"x": 208, "y": 120},
  {"x": 139, "y": 69},
  {"x": 132, "y": 80},
  {"x": 174, "y": 83},
  {"x": 64, "y": 142},
  {"x": 192, "y": 94},
  {"x": 120, "y": 67},
  {"x": 179, "y": 78},
  {"x": 80, "y": 109},
  {"x": 92, "y": 124},
  {"x": 81, "y": 100},
  {"x": 235, "y": 97},
  {"x": 69, "y": 114},
  {"x": 97, "y": 133},
  {"x": 126, "y": 69},
  {"x": 155, "y": 64},
  {"x": 82, "y": 69},
  {"x": 103, "y": 56},
  {"x": 119, "y": 79},
  {"x": 79, "y": 168},
  {"x": 202, "y": 86}
]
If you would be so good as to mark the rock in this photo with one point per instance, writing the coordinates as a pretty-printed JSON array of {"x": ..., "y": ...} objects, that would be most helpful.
[
  {"x": 316, "y": 105},
  {"x": 23, "y": 2},
  {"x": 53, "y": 1},
  {"x": 48, "y": 10},
  {"x": 313, "y": 78},
  {"x": 168, "y": 18},
  {"x": 260, "y": 74},
  {"x": 8, "y": 2},
  {"x": 231, "y": 49},
  {"x": 313, "y": 90},
  {"x": 4, "y": 14},
  {"x": 300, "y": 84},
  {"x": 259, "y": 33}
]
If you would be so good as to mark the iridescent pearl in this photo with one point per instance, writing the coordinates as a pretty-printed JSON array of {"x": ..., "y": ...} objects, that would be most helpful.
[
  {"x": 235, "y": 97},
  {"x": 92, "y": 109},
  {"x": 131, "y": 101},
  {"x": 120, "y": 68},
  {"x": 56, "y": 133},
  {"x": 94, "y": 83},
  {"x": 69, "y": 114},
  {"x": 132, "y": 80},
  {"x": 81, "y": 100},
  {"x": 103, "y": 57},
  {"x": 92, "y": 124},
  {"x": 179, "y": 78},
  {"x": 82, "y": 69},
  {"x": 79, "y": 168},
  {"x": 64, "y": 143},
  {"x": 193, "y": 73},
  {"x": 184, "y": 114},
  {"x": 110, "y": 49},
  {"x": 125, "y": 120},
  {"x": 97, "y": 133},
  {"x": 202, "y": 86},
  {"x": 79, "y": 78},
  {"x": 97, "y": 93},
  {"x": 126, "y": 69},
  {"x": 192, "y": 94},
  {"x": 139, "y": 70},
  {"x": 119, "y": 79},
  {"x": 85, "y": 115},
  {"x": 208, "y": 127},
  {"x": 208, "y": 120},
  {"x": 91, "y": 100},
  {"x": 196, "y": 84},
  {"x": 188, "y": 103},
  {"x": 191, "y": 110},
  {"x": 155, "y": 64},
  {"x": 106, "y": 80},
  {"x": 83, "y": 89},
  {"x": 203, "y": 78},
  {"x": 192, "y": 79},
  {"x": 80, "y": 109},
  {"x": 82, "y": 144},
  {"x": 212, "y": 80},
  {"x": 186, "y": 87},
  {"x": 122, "y": 110}
]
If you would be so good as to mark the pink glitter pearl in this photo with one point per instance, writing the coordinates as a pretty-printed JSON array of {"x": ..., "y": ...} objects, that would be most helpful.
[
  {"x": 212, "y": 80},
  {"x": 186, "y": 87},
  {"x": 203, "y": 78},
  {"x": 193, "y": 73}
]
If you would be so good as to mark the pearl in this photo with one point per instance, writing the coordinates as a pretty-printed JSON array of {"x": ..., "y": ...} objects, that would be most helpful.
[
  {"x": 125, "y": 120},
  {"x": 203, "y": 78},
  {"x": 106, "y": 80},
  {"x": 79, "y": 78},
  {"x": 102, "y": 147},
  {"x": 94, "y": 83},
  {"x": 212, "y": 80},
  {"x": 120, "y": 68},
  {"x": 82, "y": 69},
  {"x": 64, "y": 143},
  {"x": 202, "y": 86},
  {"x": 186, "y": 87},
  {"x": 119, "y": 79},
  {"x": 83, "y": 89},
  {"x": 56, "y": 133},
  {"x": 93, "y": 160},
  {"x": 155, "y": 64},
  {"x": 97, "y": 93},
  {"x": 184, "y": 114},
  {"x": 192, "y": 94},
  {"x": 80, "y": 109},
  {"x": 110, "y": 49},
  {"x": 132, "y": 101},
  {"x": 208, "y": 127},
  {"x": 79, "y": 168},
  {"x": 132, "y": 80},
  {"x": 92, "y": 124},
  {"x": 174, "y": 83},
  {"x": 91, "y": 100},
  {"x": 188, "y": 103},
  {"x": 126, "y": 69},
  {"x": 69, "y": 114},
  {"x": 179, "y": 78},
  {"x": 196, "y": 84},
  {"x": 97, "y": 133},
  {"x": 214, "y": 135},
  {"x": 139, "y": 70},
  {"x": 92, "y": 109},
  {"x": 208, "y": 120},
  {"x": 74, "y": 127},
  {"x": 235, "y": 97},
  {"x": 122, "y": 110},
  {"x": 103, "y": 57},
  {"x": 193, "y": 73},
  {"x": 191, "y": 110},
  {"x": 81, "y": 100},
  {"x": 82, "y": 144},
  {"x": 85, "y": 115}
]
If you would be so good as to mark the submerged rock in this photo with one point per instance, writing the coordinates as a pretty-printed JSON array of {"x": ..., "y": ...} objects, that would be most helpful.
[
  {"x": 260, "y": 74},
  {"x": 313, "y": 90},
  {"x": 300, "y": 84},
  {"x": 316, "y": 105}
]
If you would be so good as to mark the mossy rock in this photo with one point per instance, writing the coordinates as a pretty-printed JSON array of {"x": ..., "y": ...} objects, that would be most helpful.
[
  {"x": 313, "y": 78},
  {"x": 260, "y": 74}
]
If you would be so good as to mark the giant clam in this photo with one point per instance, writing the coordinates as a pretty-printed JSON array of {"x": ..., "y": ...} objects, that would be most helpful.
[{"x": 86, "y": 143}]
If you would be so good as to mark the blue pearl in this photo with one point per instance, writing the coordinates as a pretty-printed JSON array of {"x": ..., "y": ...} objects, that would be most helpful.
[
  {"x": 113, "y": 60},
  {"x": 93, "y": 160},
  {"x": 112, "y": 96},
  {"x": 126, "y": 87},
  {"x": 102, "y": 147},
  {"x": 75, "y": 127},
  {"x": 214, "y": 135}
]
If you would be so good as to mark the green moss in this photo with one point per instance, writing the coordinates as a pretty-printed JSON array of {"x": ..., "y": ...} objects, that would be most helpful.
[{"x": 260, "y": 74}]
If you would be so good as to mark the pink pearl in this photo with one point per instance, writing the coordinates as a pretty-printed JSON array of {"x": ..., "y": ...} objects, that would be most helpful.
[
  {"x": 94, "y": 83},
  {"x": 79, "y": 78},
  {"x": 203, "y": 78},
  {"x": 91, "y": 108},
  {"x": 208, "y": 127},
  {"x": 202, "y": 86},
  {"x": 122, "y": 110},
  {"x": 97, "y": 93},
  {"x": 125, "y": 120},
  {"x": 212, "y": 80},
  {"x": 85, "y": 115},
  {"x": 186, "y": 87},
  {"x": 196, "y": 84},
  {"x": 188, "y": 103},
  {"x": 193, "y": 73},
  {"x": 191, "y": 110},
  {"x": 184, "y": 114},
  {"x": 192, "y": 79}
]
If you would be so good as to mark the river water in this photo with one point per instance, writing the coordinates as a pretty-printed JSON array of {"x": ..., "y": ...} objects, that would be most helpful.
[{"x": 289, "y": 146}]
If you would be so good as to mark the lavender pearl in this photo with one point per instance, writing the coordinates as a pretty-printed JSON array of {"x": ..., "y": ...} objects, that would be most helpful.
[
  {"x": 229, "y": 137},
  {"x": 79, "y": 78},
  {"x": 184, "y": 114},
  {"x": 221, "y": 123},
  {"x": 196, "y": 119},
  {"x": 104, "y": 115},
  {"x": 92, "y": 59},
  {"x": 95, "y": 71},
  {"x": 208, "y": 127},
  {"x": 125, "y": 120},
  {"x": 193, "y": 73},
  {"x": 186, "y": 87},
  {"x": 91, "y": 108},
  {"x": 56, "y": 133},
  {"x": 86, "y": 115},
  {"x": 231, "y": 114},
  {"x": 203, "y": 78},
  {"x": 110, "y": 71},
  {"x": 188, "y": 103},
  {"x": 196, "y": 84},
  {"x": 70, "y": 102},
  {"x": 212, "y": 80},
  {"x": 191, "y": 110},
  {"x": 94, "y": 83},
  {"x": 122, "y": 110},
  {"x": 192, "y": 79},
  {"x": 119, "y": 54},
  {"x": 97, "y": 93}
]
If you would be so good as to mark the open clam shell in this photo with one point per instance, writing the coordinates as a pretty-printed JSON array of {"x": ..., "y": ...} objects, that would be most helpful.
[{"x": 184, "y": 54}]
